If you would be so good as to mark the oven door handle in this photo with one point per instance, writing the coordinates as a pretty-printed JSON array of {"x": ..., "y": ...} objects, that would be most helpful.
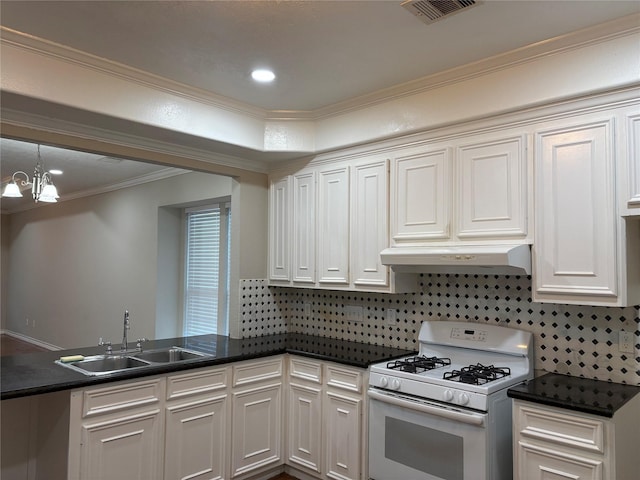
[{"x": 457, "y": 415}]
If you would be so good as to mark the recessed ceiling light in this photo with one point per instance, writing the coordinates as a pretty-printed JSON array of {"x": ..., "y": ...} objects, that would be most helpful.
[
  {"x": 263, "y": 75},
  {"x": 55, "y": 171}
]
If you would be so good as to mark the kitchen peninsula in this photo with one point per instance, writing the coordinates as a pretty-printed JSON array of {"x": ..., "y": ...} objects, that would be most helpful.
[{"x": 239, "y": 391}]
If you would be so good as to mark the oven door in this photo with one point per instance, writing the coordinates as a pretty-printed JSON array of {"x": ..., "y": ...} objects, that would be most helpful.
[{"x": 415, "y": 439}]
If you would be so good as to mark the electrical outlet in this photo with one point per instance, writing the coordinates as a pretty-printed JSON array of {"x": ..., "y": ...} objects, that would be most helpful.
[
  {"x": 392, "y": 316},
  {"x": 307, "y": 310},
  {"x": 625, "y": 342},
  {"x": 353, "y": 313}
]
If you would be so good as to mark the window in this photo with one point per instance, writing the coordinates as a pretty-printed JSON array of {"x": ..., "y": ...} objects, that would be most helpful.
[{"x": 206, "y": 270}]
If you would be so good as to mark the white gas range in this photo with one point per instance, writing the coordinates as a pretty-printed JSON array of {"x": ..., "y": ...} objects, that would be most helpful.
[{"x": 444, "y": 414}]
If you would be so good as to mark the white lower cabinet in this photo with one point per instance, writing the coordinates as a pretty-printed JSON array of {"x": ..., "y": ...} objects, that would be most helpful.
[
  {"x": 343, "y": 436},
  {"x": 196, "y": 440},
  {"x": 117, "y": 431},
  {"x": 124, "y": 447},
  {"x": 554, "y": 443},
  {"x": 196, "y": 425},
  {"x": 223, "y": 422},
  {"x": 256, "y": 439},
  {"x": 326, "y": 429},
  {"x": 169, "y": 427},
  {"x": 305, "y": 426}
]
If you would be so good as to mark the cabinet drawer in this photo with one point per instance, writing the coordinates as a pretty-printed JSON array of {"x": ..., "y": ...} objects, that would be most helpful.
[
  {"x": 344, "y": 378},
  {"x": 196, "y": 382},
  {"x": 111, "y": 399},
  {"x": 305, "y": 370},
  {"x": 561, "y": 428},
  {"x": 256, "y": 371}
]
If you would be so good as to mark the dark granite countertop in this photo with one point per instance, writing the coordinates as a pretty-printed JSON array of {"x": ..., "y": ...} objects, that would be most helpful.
[
  {"x": 574, "y": 393},
  {"x": 36, "y": 373}
]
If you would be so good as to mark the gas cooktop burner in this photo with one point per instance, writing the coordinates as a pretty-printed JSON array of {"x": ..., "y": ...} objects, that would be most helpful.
[
  {"x": 418, "y": 364},
  {"x": 477, "y": 374}
]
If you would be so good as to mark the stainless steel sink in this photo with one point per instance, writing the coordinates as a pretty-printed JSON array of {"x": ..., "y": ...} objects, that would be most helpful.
[
  {"x": 104, "y": 364},
  {"x": 107, "y": 364},
  {"x": 166, "y": 355}
]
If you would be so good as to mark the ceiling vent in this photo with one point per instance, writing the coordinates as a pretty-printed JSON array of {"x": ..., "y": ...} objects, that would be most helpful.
[{"x": 430, "y": 11}]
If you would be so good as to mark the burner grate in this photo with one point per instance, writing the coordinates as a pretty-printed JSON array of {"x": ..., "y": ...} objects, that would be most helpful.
[
  {"x": 418, "y": 364},
  {"x": 477, "y": 374}
]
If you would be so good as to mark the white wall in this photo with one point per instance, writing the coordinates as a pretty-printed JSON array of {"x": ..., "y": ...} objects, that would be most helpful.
[
  {"x": 75, "y": 266},
  {"x": 4, "y": 261}
]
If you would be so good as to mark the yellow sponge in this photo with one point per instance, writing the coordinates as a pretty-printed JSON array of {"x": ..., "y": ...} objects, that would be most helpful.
[{"x": 71, "y": 358}]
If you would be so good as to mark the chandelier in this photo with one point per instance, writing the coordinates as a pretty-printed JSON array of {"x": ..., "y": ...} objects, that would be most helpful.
[{"x": 42, "y": 187}]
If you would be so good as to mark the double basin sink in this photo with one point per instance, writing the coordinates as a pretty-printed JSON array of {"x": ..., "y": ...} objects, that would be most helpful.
[{"x": 115, "y": 363}]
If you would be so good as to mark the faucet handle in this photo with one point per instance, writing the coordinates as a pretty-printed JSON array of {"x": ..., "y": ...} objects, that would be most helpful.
[
  {"x": 108, "y": 345},
  {"x": 139, "y": 344}
]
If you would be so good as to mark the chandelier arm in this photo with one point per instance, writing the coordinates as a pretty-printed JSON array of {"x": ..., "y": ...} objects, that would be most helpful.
[{"x": 23, "y": 183}]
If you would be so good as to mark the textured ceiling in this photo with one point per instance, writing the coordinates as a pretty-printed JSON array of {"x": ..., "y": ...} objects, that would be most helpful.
[{"x": 323, "y": 52}]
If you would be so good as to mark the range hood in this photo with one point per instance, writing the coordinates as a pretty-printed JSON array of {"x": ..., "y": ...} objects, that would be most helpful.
[{"x": 477, "y": 259}]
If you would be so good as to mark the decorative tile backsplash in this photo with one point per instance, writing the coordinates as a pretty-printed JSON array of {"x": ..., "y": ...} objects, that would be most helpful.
[{"x": 575, "y": 339}]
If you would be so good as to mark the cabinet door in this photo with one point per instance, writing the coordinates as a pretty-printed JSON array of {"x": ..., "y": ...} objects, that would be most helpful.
[
  {"x": 492, "y": 190},
  {"x": 333, "y": 226},
  {"x": 279, "y": 232},
  {"x": 343, "y": 439},
  {"x": 196, "y": 439},
  {"x": 304, "y": 227},
  {"x": 369, "y": 224},
  {"x": 575, "y": 236},
  {"x": 540, "y": 463},
  {"x": 126, "y": 447},
  {"x": 256, "y": 428},
  {"x": 421, "y": 197},
  {"x": 305, "y": 426},
  {"x": 631, "y": 174}
]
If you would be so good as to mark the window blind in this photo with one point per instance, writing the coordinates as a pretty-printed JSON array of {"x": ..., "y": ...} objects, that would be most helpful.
[{"x": 202, "y": 271}]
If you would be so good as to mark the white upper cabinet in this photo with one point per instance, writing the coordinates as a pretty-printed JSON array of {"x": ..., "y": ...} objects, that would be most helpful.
[
  {"x": 339, "y": 224},
  {"x": 333, "y": 225},
  {"x": 421, "y": 196},
  {"x": 279, "y": 234},
  {"x": 580, "y": 249},
  {"x": 472, "y": 190},
  {"x": 369, "y": 224},
  {"x": 492, "y": 190},
  {"x": 629, "y": 171},
  {"x": 304, "y": 227}
]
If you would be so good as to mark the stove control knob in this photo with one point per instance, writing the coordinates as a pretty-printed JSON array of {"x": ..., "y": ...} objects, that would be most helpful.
[
  {"x": 384, "y": 382},
  {"x": 464, "y": 399},
  {"x": 395, "y": 384},
  {"x": 447, "y": 395}
]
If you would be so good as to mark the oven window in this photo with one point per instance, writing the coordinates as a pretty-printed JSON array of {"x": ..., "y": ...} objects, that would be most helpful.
[{"x": 431, "y": 451}]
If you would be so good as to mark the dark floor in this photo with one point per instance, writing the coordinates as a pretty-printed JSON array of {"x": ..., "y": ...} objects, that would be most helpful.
[{"x": 13, "y": 346}]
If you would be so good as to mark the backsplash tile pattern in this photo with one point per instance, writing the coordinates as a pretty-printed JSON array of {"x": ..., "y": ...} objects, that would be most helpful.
[
  {"x": 263, "y": 310},
  {"x": 574, "y": 339}
]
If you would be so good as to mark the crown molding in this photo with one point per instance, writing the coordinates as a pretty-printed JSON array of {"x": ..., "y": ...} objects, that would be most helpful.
[
  {"x": 620, "y": 27},
  {"x": 60, "y": 52},
  {"x": 603, "y": 101},
  {"x": 57, "y": 126}
]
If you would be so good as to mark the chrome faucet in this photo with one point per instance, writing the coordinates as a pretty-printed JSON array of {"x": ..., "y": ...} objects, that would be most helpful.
[{"x": 124, "y": 331}]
